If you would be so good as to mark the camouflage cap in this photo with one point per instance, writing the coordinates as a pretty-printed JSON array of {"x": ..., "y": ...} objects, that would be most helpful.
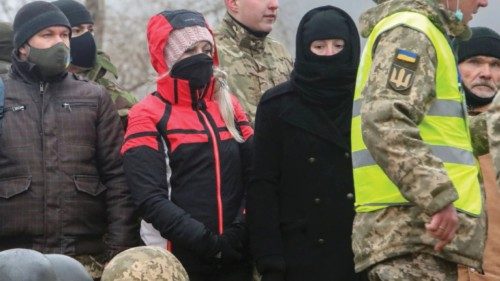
[{"x": 146, "y": 263}]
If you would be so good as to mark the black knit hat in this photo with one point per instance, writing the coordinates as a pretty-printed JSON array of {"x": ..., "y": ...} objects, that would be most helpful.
[
  {"x": 484, "y": 42},
  {"x": 75, "y": 12},
  {"x": 33, "y": 17}
]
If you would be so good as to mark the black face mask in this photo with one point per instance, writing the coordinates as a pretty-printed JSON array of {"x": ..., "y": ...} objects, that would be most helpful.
[
  {"x": 474, "y": 101},
  {"x": 83, "y": 50},
  {"x": 197, "y": 69}
]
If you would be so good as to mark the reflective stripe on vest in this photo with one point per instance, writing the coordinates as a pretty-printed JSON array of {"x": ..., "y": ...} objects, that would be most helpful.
[{"x": 444, "y": 128}]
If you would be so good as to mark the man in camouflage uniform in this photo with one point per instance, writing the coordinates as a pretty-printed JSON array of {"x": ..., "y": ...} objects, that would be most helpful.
[
  {"x": 6, "y": 46},
  {"x": 479, "y": 66},
  {"x": 253, "y": 61},
  {"x": 147, "y": 263},
  {"x": 424, "y": 238},
  {"x": 92, "y": 64}
]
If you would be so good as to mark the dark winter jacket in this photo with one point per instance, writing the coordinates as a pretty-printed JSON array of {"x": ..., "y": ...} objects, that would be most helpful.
[
  {"x": 203, "y": 197},
  {"x": 62, "y": 187},
  {"x": 300, "y": 203}
]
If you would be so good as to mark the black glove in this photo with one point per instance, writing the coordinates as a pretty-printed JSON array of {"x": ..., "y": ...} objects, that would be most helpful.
[
  {"x": 227, "y": 254},
  {"x": 273, "y": 276},
  {"x": 237, "y": 236}
]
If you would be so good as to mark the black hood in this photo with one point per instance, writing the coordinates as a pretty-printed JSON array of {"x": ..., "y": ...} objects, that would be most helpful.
[
  {"x": 328, "y": 22},
  {"x": 327, "y": 81}
]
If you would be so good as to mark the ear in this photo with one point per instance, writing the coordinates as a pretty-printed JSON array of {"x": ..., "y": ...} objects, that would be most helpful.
[
  {"x": 232, "y": 6},
  {"x": 24, "y": 51}
]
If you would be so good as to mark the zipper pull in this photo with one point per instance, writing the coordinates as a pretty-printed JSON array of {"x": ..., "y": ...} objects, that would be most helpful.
[
  {"x": 42, "y": 88},
  {"x": 67, "y": 106},
  {"x": 18, "y": 108}
]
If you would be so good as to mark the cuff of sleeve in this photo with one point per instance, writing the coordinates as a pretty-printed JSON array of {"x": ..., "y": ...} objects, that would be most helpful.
[
  {"x": 268, "y": 264},
  {"x": 441, "y": 200}
]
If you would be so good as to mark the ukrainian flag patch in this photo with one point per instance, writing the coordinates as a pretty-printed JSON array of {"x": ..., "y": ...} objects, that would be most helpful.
[{"x": 406, "y": 56}]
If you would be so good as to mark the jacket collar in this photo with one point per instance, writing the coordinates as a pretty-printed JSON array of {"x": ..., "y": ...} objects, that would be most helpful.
[
  {"x": 314, "y": 120},
  {"x": 177, "y": 92},
  {"x": 243, "y": 38}
]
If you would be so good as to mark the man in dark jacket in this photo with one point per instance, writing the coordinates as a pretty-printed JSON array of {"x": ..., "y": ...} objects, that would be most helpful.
[{"x": 62, "y": 188}]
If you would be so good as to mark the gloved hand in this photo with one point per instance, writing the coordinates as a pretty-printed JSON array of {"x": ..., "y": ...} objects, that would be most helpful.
[
  {"x": 227, "y": 254},
  {"x": 237, "y": 236},
  {"x": 223, "y": 253},
  {"x": 273, "y": 276}
]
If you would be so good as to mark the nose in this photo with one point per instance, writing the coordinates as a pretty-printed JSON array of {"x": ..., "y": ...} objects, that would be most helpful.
[
  {"x": 330, "y": 49},
  {"x": 273, "y": 4},
  {"x": 483, "y": 3},
  {"x": 485, "y": 72}
]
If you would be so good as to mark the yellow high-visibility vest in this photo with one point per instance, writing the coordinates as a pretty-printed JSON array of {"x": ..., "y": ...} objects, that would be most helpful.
[{"x": 444, "y": 128}]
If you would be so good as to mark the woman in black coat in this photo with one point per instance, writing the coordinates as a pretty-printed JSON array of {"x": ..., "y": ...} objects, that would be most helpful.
[{"x": 300, "y": 203}]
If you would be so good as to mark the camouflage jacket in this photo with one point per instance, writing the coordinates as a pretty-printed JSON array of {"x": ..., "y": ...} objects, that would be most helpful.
[
  {"x": 493, "y": 121},
  {"x": 389, "y": 127},
  {"x": 122, "y": 99},
  {"x": 253, "y": 64}
]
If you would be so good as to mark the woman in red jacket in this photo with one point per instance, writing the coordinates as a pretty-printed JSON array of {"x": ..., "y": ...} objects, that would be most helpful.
[{"x": 187, "y": 153}]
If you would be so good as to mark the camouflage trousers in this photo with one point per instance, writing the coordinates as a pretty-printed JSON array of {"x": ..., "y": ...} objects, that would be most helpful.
[
  {"x": 414, "y": 267},
  {"x": 92, "y": 265}
]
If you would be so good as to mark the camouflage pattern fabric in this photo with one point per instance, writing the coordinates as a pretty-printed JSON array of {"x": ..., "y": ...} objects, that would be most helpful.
[
  {"x": 478, "y": 133},
  {"x": 145, "y": 263},
  {"x": 414, "y": 267},
  {"x": 94, "y": 265},
  {"x": 122, "y": 99},
  {"x": 493, "y": 124},
  {"x": 253, "y": 64},
  {"x": 389, "y": 125}
]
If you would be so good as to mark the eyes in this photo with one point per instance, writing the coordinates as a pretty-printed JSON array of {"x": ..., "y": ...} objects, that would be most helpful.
[
  {"x": 480, "y": 61},
  {"x": 48, "y": 35},
  {"x": 327, "y": 47},
  {"x": 199, "y": 48},
  {"x": 79, "y": 30}
]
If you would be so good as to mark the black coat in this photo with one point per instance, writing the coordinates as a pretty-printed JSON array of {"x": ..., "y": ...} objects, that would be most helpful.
[{"x": 300, "y": 203}]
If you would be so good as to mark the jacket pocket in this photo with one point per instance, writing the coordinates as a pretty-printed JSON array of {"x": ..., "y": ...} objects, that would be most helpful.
[
  {"x": 13, "y": 186},
  {"x": 89, "y": 184},
  {"x": 84, "y": 213},
  {"x": 77, "y": 121}
]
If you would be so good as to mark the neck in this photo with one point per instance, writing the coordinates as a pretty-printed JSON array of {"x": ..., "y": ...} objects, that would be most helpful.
[{"x": 259, "y": 34}]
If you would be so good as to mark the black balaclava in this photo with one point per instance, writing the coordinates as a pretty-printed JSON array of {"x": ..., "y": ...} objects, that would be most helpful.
[
  {"x": 83, "y": 47},
  {"x": 327, "y": 81}
]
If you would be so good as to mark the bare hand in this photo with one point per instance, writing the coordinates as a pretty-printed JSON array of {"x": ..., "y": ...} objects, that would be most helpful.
[{"x": 443, "y": 226}]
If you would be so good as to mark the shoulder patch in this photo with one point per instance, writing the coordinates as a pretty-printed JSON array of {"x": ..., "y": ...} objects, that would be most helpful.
[{"x": 402, "y": 71}]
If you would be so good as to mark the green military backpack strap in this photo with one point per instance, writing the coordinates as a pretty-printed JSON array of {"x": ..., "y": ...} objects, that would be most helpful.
[{"x": 444, "y": 128}]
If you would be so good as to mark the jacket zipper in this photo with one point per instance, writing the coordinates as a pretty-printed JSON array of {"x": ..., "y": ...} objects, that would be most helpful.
[
  {"x": 215, "y": 148},
  {"x": 43, "y": 86}
]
